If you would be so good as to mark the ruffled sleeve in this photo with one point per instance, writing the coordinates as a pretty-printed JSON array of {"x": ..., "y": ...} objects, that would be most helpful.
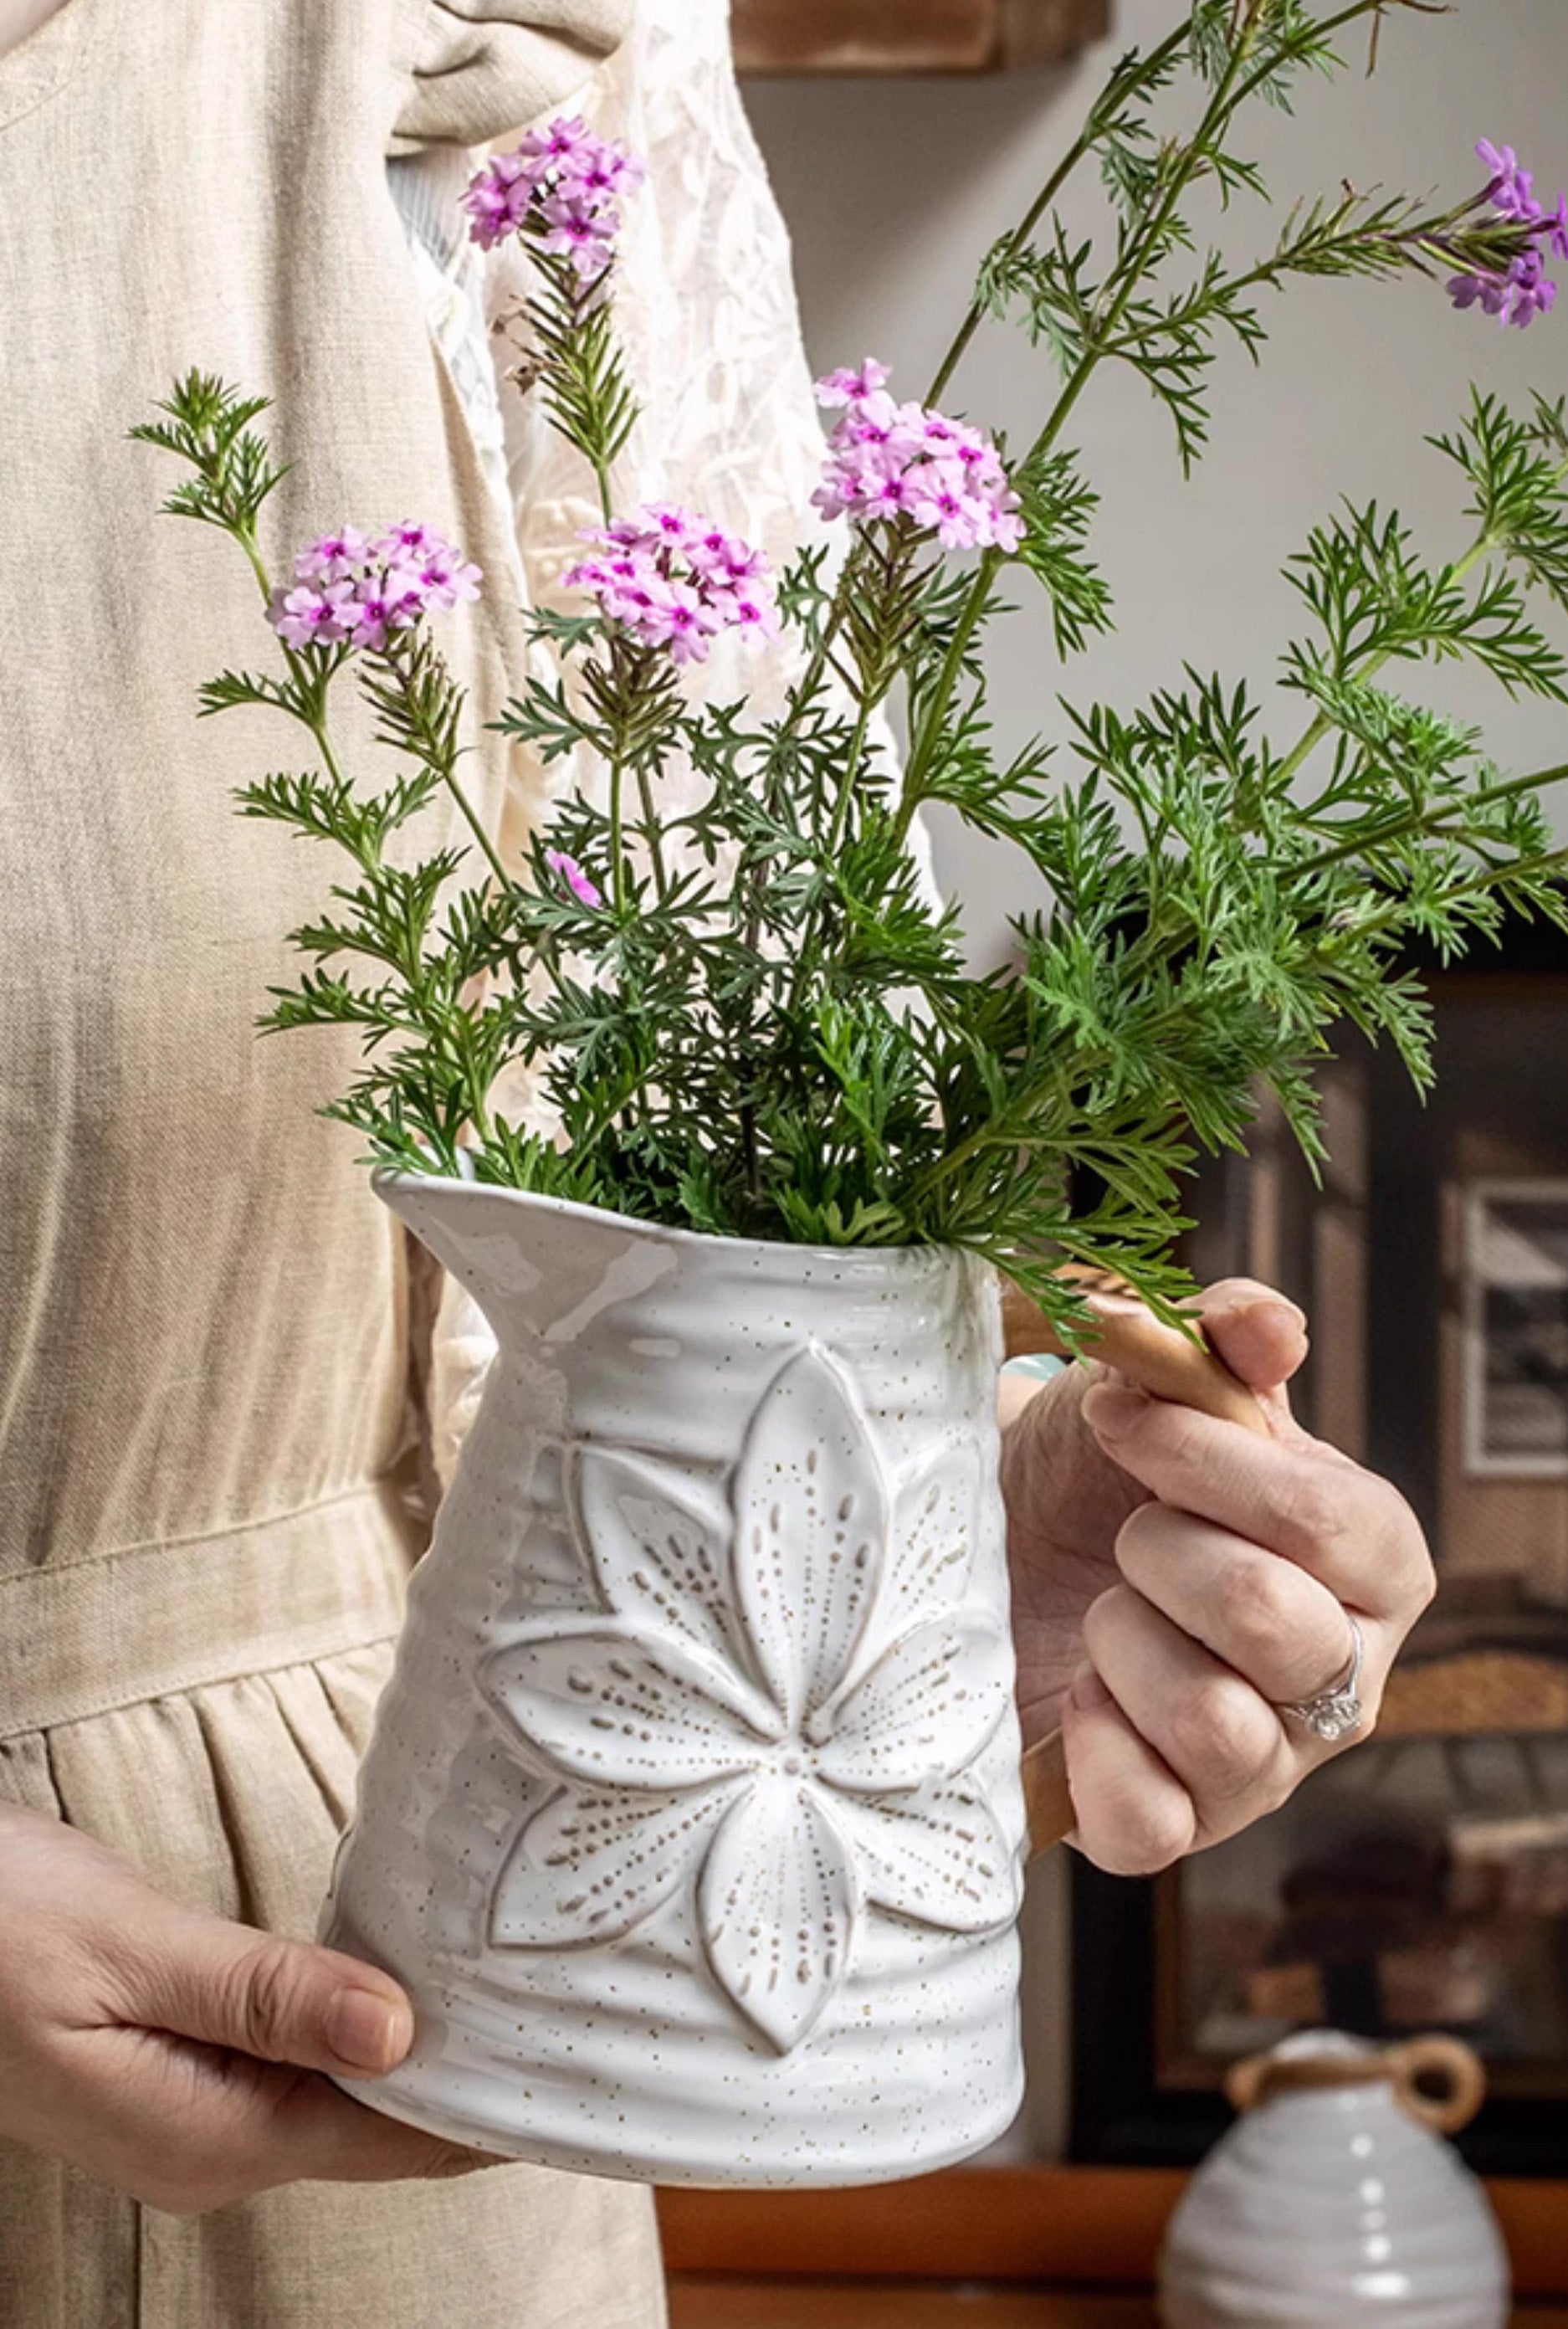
[{"x": 470, "y": 70}]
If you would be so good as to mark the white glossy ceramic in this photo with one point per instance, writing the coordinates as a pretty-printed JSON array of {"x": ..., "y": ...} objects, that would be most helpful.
[
  {"x": 1329, "y": 2208},
  {"x": 691, "y": 1820}
]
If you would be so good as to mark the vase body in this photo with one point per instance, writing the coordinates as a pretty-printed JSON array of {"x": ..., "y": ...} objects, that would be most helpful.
[
  {"x": 691, "y": 1821},
  {"x": 1325, "y": 2208}
]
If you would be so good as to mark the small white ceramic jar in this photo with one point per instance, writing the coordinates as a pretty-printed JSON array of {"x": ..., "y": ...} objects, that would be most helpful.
[
  {"x": 1334, "y": 2202},
  {"x": 692, "y": 1820}
]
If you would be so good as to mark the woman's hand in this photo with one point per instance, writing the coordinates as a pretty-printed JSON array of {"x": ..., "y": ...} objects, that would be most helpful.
[
  {"x": 176, "y": 2056},
  {"x": 1176, "y": 1579}
]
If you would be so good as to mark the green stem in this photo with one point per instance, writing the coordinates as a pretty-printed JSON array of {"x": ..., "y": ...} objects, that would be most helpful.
[
  {"x": 1132, "y": 271},
  {"x": 959, "y": 347},
  {"x": 618, "y": 841},
  {"x": 448, "y": 776},
  {"x": 1434, "y": 821},
  {"x": 245, "y": 535},
  {"x": 652, "y": 834},
  {"x": 607, "y": 498},
  {"x": 1082, "y": 146},
  {"x": 856, "y": 754}
]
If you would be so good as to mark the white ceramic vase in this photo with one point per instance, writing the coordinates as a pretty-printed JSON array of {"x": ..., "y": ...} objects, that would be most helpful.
[
  {"x": 1333, "y": 2201},
  {"x": 691, "y": 1821}
]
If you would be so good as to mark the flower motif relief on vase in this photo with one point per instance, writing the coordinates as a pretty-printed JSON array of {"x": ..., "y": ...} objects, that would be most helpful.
[{"x": 778, "y": 1709}]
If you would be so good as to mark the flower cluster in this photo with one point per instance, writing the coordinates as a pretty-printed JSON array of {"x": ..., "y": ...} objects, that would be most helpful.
[
  {"x": 1524, "y": 290},
  {"x": 906, "y": 460},
  {"x": 354, "y": 590},
  {"x": 560, "y": 187},
  {"x": 674, "y": 581}
]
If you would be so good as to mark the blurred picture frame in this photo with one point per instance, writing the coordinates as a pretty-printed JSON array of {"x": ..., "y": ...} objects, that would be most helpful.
[
  {"x": 912, "y": 36},
  {"x": 1515, "y": 1329}
]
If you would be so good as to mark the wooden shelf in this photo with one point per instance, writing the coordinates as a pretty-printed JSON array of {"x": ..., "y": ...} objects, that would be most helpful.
[
  {"x": 1096, "y": 2227},
  {"x": 901, "y": 2305},
  {"x": 912, "y": 36}
]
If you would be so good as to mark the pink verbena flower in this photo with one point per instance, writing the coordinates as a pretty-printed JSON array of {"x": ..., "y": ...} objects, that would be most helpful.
[
  {"x": 357, "y": 590},
  {"x": 585, "y": 890},
  {"x": 442, "y": 578},
  {"x": 312, "y": 615},
  {"x": 847, "y": 387},
  {"x": 676, "y": 581},
  {"x": 560, "y": 190},
  {"x": 333, "y": 556},
  {"x": 901, "y": 462},
  {"x": 1523, "y": 290}
]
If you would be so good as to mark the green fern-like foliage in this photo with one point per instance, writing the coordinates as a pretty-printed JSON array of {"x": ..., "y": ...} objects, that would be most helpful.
[{"x": 766, "y": 1027}]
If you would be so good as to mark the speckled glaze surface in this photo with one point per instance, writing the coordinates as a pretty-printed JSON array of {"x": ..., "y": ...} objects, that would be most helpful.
[
  {"x": 1324, "y": 2210},
  {"x": 691, "y": 1821}
]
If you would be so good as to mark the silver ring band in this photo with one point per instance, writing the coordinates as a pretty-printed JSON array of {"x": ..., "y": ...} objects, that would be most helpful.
[{"x": 1336, "y": 1712}]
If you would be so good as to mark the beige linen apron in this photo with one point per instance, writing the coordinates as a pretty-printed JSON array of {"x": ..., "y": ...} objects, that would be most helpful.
[{"x": 204, "y": 1331}]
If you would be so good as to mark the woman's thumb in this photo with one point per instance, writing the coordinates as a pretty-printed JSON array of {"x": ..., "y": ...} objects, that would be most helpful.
[{"x": 282, "y": 2001}]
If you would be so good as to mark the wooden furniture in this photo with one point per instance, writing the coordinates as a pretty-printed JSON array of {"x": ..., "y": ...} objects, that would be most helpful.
[
  {"x": 850, "y": 36},
  {"x": 1016, "y": 2229},
  {"x": 898, "y": 2304}
]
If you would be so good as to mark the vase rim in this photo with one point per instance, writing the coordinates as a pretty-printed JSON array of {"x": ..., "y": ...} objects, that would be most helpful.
[{"x": 386, "y": 1178}]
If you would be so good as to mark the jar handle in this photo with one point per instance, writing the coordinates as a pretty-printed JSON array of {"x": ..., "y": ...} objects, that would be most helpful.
[
  {"x": 1246, "y": 2083},
  {"x": 1449, "y": 2061}
]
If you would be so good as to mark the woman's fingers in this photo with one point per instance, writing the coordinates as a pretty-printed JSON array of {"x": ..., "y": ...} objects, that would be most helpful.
[
  {"x": 1261, "y": 1336},
  {"x": 1134, "y": 1817},
  {"x": 1265, "y": 1619},
  {"x": 1220, "y": 1739},
  {"x": 193, "y": 2128},
  {"x": 1295, "y": 1497},
  {"x": 281, "y": 2001}
]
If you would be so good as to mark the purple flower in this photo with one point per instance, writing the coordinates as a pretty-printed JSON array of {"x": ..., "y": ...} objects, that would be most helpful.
[
  {"x": 579, "y": 230},
  {"x": 409, "y": 540},
  {"x": 583, "y": 890},
  {"x": 901, "y": 462},
  {"x": 1523, "y": 290},
  {"x": 600, "y": 170},
  {"x": 377, "y": 610},
  {"x": 333, "y": 556},
  {"x": 847, "y": 387},
  {"x": 356, "y": 590},
  {"x": 558, "y": 191},
  {"x": 558, "y": 141},
  {"x": 1509, "y": 192},
  {"x": 675, "y": 582},
  {"x": 680, "y": 617},
  {"x": 306, "y": 616},
  {"x": 442, "y": 578}
]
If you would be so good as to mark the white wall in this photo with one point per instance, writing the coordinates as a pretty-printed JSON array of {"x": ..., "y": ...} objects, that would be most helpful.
[{"x": 893, "y": 188}]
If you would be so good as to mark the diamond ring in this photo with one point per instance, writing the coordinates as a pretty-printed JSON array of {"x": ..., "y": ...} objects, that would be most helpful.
[{"x": 1336, "y": 1712}]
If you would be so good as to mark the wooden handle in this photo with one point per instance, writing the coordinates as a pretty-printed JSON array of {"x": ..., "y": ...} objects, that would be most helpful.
[
  {"x": 1448, "y": 2062},
  {"x": 1161, "y": 1361},
  {"x": 1137, "y": 1345}
]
